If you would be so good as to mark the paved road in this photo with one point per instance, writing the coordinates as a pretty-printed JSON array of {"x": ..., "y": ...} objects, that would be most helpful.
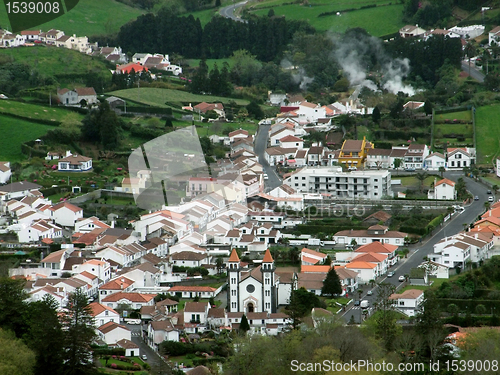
[
  {"x": 273, "y": 180},
  {"x": 418, "y": 252},
  {"x": 474, "y": 73},
  {"x": 228, "y": 12},
  {"x": 154, "y": 359}
]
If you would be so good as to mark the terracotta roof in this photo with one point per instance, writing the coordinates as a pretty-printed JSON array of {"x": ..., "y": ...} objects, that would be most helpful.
[
  {"x": 352, "y": 145},
  {"x": 234, "y": 256},
  {"x": 187, "y": 288},
  {"x": 216, "y": 312},
  {"x": 98, "y": 308},
  {"x": 110, "y": 326},
  {"x": 132, "y": 297},
  {"x": 75, "y": 159},
  {"x": 119, "y": 283},
  {"x": 320, "y": 269},
  {"x": 127, "y": 344},
  {"x": 376, "y": 247},
  {"x": 195, "y": 307},
  {"x": 67, "y": 205},
  {"x": 267, "y": 257},
  {"x": 188, "y": 255},
  {"x": 445, "y": 181},
  {"x": 361, "y": 265},
  {"x": 407, "y": 294}
]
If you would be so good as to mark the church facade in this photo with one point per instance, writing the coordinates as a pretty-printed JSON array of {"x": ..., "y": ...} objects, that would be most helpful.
[{"x": 260, "y": 289}]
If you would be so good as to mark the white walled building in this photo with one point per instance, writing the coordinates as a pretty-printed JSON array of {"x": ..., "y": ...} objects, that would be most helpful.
[
  {"x": 443, "y": 189},
  {"x": 330, "y": 180}
]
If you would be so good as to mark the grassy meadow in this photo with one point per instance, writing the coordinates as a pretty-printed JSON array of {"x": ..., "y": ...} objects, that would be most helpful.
[
  {"x": 38, "y": 112},
  {"x": 391, "y": 14},
  {"x": 89, "y": 17},
  {"x": 51, "y": 61},
  {"x": 14, "y": 133},
  {"x": 158, "y": 97},
  {"x": 487, "y": 134}
]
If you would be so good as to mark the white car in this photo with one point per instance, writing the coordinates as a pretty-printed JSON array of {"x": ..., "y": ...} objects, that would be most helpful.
[
  {"x": 266, "y": 177},
  {"x": 401, "y": 278},
  {"x": 490, "y": 199},
  {"x": 144, "y": 357}
]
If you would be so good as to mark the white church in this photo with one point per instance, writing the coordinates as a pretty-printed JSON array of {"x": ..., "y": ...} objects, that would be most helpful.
[{"x": 261, "y": 289}]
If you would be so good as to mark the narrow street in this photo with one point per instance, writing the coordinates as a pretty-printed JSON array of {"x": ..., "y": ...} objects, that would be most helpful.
[{"x": 273, "y": 180}]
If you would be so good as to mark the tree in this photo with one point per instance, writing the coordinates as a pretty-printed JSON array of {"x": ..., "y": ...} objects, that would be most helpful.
[
  {"x": 78, "y": 327},
  {"x": 168, "y": 123},
  {"x": 13, "y": 305},
  {"x": 428, "y": 107},
  {"x": 386, "y": 327},
  {"x": 244, "y": 326},
  {"x": 421, "y": 176},
  {"x": 15, "y": 357},
  {"x": 495, "y": 189},
  {"x": 441, "y": 171},
  {"x": 103, "y": 126},
  {"x": 397, "y": 163},
  {"x": 45, "y": 335},
  {"x": 301, "y": 302},
  {"x": 219, "y": 263},
  {"x": 376, "y": 115},
  {"x": 255, "y": 111},
  {"x": 331, "y": 284}
]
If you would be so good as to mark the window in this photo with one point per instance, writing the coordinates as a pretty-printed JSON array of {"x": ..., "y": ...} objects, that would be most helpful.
[
  {"x": 401, "y": 303},
  {"x": 397, "y": 240},
  {"x": 364, "y": 240}
]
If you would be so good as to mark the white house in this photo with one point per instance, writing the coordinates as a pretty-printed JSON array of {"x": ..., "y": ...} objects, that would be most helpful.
[
  {"x": 408, "y": 302},
  {"x": 74, "y": 163},
  {"x": 410, "y": 31},
  {"x": 189, "y": 259},
  {"x": 5, "y": 172},
  {"x": 39, "y": 230},
  {"x": 434, "y": 161},
  {"x": 18, "y": 190},
  {"x": 112, "y": 332},
  {"x": 136, "y": 300},
  {"x": 443, "y": 189},
  {"x": 375, "y": 233},
  {"x": 310, "y": 257},
  {"x": 459, "y": 158},
  {"x": 291, "y": 141},
  {"x": 103, "y": 314},
  {"x": 310, "y": 112},
  {"x": 494, "y": 36},
  {"x": 161, "y": 330},
  {"x": 65, "y": 214},
  {"x": 366, "y": 271},
  {"x": 187, "y": 291}
]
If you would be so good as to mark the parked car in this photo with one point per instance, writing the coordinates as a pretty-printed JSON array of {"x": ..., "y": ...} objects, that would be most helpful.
[
  {"x": 490, "y": 199},
  {"x": 144, "y": 357},
  {"x": 401, "y": 278},
  {"x": 390, "y": 274},
  {"x": 488, "y": 192},
  {"x": 369, "y": 293},
  {"x": 356, "y": 303},
  {"x": 476, "y": 198},
  {"x": 266, "y": 176}
]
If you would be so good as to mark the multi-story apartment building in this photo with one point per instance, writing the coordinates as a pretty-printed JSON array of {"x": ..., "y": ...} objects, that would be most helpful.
[{"x": 331, "y": 180}]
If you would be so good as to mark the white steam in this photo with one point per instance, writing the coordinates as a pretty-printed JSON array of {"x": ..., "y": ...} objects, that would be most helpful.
[
  {"x": 394, "y": 73},
  {"x": 354, "y": 54}
]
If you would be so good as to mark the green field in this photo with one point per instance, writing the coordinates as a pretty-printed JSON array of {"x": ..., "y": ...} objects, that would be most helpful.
[
  {"x": 89, "y": 17},
  {"x": 463, "y": 115},
  {"x": 411, "y": 181},
  {"x": 487, "y": 134},
  {"x": 364, "y": 18},
  {"x": 210, "y": 63},
  {"x": 158, "y": 97},
  {"x": 14, "y": 133},
  {"x": 52, "y": 60},
  {"x": 37, "y": 111}
]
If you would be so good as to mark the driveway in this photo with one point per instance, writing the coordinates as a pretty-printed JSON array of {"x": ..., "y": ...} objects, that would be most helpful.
[{"x": 474, "y": 72}]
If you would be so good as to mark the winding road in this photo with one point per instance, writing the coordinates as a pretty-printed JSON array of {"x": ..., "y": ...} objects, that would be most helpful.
[
  {"x": 273, "y": 180},
  {"x": 228, "y": 12}
]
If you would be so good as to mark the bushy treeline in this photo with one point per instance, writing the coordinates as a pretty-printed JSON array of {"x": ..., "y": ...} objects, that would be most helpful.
[{"x": 168, "y": 33}]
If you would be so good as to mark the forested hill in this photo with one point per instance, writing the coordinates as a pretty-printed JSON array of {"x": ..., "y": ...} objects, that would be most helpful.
[{"x": 264, "y": 37}]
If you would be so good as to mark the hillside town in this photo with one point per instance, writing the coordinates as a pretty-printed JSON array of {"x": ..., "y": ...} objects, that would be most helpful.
[{"x": 252, "y": 213}]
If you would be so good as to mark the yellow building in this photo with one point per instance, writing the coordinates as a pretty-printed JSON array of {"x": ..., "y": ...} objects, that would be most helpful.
[{"x": 353, "y": 152}]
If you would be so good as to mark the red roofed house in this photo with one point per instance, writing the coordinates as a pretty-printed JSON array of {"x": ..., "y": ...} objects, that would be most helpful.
[
  {"x": 76, "y": 96},
  {"x": 112, "y": 332},
  {"x": 443, "y": 189},
  {"x": 127, "y": 68},
  {"x": 366, "y": 270},
  {"x": 460, "y": 157},
  {"x": 74, "y": 163},
  {"x": 136, "y": 300},
  {"x": 408, "y": 302},
  {"x": 291, "y": 141},
  {"x": 65, "y": 214},
  {"x": 103, "y": 314},
  {"x": 186, "y": 291},
  {"x": 205, "y": 107},
  {"x": 237, "y": 134},
  {"x": 119, "y": 284},
  {"x": 310, "y": 257}
]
